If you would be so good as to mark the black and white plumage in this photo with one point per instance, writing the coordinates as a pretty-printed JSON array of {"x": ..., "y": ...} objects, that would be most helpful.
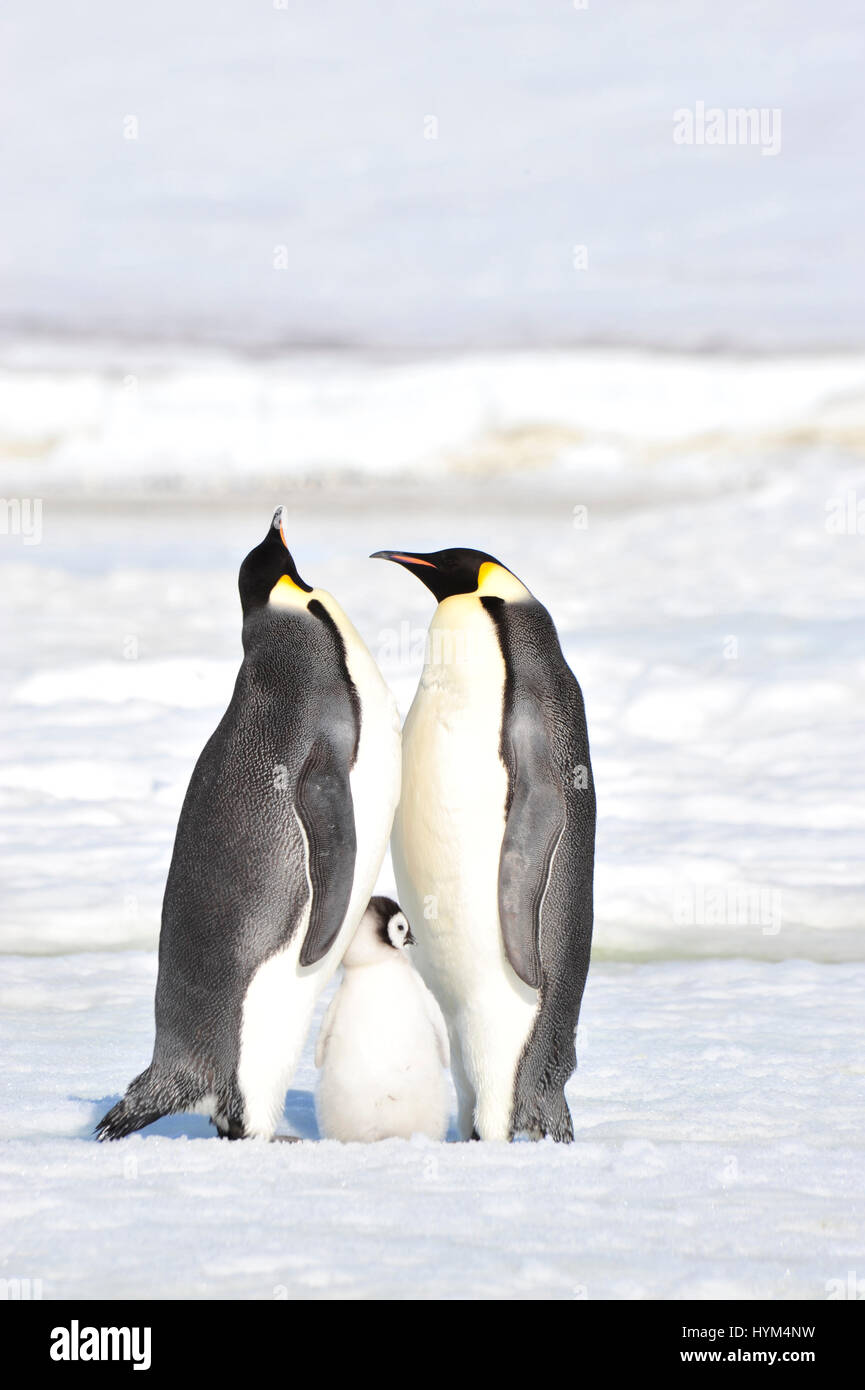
[
  {"x": 493, "y": 843},
  {"x": 383, "y": 1043},
  {"x": 280, "y": 839}
]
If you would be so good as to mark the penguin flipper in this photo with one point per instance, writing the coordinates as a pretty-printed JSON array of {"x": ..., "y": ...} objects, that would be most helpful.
[
  {"x": 326, "y": 811},
  {"x": 535, "y": 820}
]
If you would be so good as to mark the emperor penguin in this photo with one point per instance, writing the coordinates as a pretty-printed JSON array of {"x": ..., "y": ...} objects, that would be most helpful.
[
  {"x": 383, "y": 1043},
  {"x": 493, "y": 843},
  {"x": 280, "y": 839}
]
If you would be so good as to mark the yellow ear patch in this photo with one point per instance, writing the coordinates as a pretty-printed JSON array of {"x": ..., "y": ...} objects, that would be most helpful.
[
  {"x": 495, "y": 581},
  {"x": 285, "y": 592},
  {"x": 486, "y": 575}
]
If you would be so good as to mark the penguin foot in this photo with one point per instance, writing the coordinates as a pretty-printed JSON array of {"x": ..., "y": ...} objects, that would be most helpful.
[
  {"x": 559, "y": 1133},
  {"x": 228, "y": 1128}
]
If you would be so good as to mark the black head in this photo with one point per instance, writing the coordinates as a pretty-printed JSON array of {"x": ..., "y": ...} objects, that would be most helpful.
[
  {"x": 445, "y": 572},
  {"x": 392, "y": 925},
  {"x": 266, "y": 565}
]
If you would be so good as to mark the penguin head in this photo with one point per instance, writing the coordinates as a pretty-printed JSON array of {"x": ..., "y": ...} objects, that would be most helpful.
[
  {"x": 270, "y": 568},
  {"x": 382, "y": 929},
  {"x": 447, "y": 573}
]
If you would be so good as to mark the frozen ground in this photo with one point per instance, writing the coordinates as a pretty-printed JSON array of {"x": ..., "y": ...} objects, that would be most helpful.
[
  {"x": 718, "y": 1154},
  {"x": 710, "y": 600}
]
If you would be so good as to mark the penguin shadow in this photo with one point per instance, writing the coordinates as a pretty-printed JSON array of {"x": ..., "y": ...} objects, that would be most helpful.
[
  {"x": 298, "y": 1120},
  {"x": 299, "y": 1115},
  {"x": 169, "y": 1127}
]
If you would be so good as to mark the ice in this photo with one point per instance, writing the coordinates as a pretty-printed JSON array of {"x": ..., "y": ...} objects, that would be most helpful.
[
  {"x": 613, "y": 427},
  {"x": 718, "y": 1154},
  {"x": 710, "y": 602}
]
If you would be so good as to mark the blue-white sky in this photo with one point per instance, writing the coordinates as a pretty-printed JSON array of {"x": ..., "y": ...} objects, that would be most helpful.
[{"x": 300, "y": 135}]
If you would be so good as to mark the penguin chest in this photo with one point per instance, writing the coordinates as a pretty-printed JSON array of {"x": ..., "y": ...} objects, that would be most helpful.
[{"x": 451, "y": 818}]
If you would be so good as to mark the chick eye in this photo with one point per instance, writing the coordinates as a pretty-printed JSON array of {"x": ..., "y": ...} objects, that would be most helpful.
[{"x": 398, "y": 927}]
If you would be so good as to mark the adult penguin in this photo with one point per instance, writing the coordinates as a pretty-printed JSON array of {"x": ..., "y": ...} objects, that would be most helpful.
[
  {"x": 493, "y": 843},
  {"x": 279, "y": 843}
]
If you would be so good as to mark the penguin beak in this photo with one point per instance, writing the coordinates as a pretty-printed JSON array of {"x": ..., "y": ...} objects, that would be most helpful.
[
  {"x": 278, "y": 524},
  {"x": 401, "y": 557},
  {"x": 411, "y": 939},
  {"x": 418, "y": 565},
  {"x": 290, "y": 575}
]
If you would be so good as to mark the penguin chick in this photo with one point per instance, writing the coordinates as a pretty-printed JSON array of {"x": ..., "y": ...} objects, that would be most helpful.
[{"x": 383, "y": 1041}]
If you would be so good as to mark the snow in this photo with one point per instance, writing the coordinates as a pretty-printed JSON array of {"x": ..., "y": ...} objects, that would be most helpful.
[
  {"x": 426, "y": 370},
  {"x": 718, "y": 1154},
  {"x": 113, "y": 421},
  {"x": 693, "y": 526}
]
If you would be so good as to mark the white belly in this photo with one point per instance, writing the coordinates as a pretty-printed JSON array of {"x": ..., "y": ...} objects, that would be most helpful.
[
  {"x": 282, "y": 994},
  {"x": 382, "y": 1075},
  {"x": 446, "y": 846}
]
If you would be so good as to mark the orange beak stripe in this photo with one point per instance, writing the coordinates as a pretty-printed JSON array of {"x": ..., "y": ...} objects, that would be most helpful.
[{"x": 413, "y": 560}]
